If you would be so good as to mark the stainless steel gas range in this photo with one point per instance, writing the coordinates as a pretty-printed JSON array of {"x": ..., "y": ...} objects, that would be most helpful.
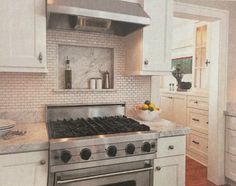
[{"x": 97, "y": 145}]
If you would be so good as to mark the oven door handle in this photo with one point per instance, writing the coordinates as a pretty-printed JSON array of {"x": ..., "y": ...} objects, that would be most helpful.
[{"x": 103, "y": 175}]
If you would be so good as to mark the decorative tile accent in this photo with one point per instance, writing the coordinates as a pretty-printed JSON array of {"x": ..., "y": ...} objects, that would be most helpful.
[
  {"x": 23, "y": 96},
  {"x": 85, "y": 62}
]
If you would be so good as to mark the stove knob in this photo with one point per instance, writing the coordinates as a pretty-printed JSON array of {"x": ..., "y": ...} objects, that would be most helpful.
[
  {"x": 146, "y": 147},
  {"x": 65, "y": 156},
  {"x": 130, "y": 148},
  {"x": 111, "y": 151},
  {"x": 85, "y": 154}
]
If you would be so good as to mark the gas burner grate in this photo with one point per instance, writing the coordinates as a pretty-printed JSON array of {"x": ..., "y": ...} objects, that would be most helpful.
[{"x": 94, "y": 126}]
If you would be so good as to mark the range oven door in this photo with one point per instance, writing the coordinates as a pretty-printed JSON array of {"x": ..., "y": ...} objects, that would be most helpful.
[{"x": 129, "y": 174}]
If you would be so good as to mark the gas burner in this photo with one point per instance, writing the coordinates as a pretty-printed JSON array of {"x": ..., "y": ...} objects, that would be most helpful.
[
  {"x": 94, "y": 126},
  {"x": 97, "y": 139}
]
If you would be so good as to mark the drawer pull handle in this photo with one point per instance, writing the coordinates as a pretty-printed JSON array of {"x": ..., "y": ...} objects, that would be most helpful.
[
  {"x": 170, "y": 97},
  {"x": 40, "y": 58},
  {"x": 195, "y": 142},
  {"x": 194, "y": 119},
  {"x": 171, "y": 147},
  {"x": 158, "y": 168},
  {"x": 196, "y": 102},
  {"x": 42, "y": 162},
  {"x": 207, "y": 122}
]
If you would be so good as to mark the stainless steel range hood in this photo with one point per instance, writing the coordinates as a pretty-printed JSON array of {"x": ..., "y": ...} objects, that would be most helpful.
[{"x": 109, "y": 16}]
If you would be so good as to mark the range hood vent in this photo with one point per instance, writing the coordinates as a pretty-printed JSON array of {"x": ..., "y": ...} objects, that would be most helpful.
[{"x": 107, "y": 16}]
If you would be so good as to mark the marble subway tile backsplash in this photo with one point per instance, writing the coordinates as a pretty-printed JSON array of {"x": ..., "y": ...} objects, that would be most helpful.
[{"x": 23, "y": 96}]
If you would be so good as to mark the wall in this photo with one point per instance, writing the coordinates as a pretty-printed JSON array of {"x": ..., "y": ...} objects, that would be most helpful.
[
  {"x": 231, "y": 6},
  {"x": 23, "y": 96}
]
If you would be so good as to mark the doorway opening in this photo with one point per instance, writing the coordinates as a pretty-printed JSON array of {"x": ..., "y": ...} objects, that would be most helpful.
[{"x": 209, "y": 76}]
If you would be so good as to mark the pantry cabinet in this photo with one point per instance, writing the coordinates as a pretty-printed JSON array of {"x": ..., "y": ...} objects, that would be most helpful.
[
  {"x": 148, "y": 51},
  {"x": 24, "y": 169},
  {"x": 169, "y": 167},
  {"x": 23, "y": 36}
]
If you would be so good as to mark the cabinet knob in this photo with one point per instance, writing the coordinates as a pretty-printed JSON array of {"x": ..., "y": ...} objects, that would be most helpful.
[
  {"x": 196, "y": 102},
  {"x": 146, "y": 62},
  {"x": 171, "y": 147},
  {"x": 158, "y": 168},
  {"x": 40, "y": 58},
  {"x": 42, "y": 162}
]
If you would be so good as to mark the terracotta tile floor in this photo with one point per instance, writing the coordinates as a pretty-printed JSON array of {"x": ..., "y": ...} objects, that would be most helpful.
[{"x": 196, "y": 174}]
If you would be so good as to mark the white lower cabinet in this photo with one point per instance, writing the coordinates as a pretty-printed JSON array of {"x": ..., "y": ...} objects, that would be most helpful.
[
  {"x": 169, "y": 171},
  {"x": 230, "y": 148},
  {"x": 174, "y": 108},
  {"x": 169, "y": 167},
  {"x": 24, "y": 169}
]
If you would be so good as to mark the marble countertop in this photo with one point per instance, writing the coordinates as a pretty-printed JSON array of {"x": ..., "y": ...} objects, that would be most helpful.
[
  {"x": 35, "y": 139},
  {"x": 166, "y": 128},
  {"x": 187, "y": 93}
]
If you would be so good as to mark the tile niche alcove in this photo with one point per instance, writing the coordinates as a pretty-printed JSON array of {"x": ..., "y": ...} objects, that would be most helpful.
[{"x": 86, "y": 63}]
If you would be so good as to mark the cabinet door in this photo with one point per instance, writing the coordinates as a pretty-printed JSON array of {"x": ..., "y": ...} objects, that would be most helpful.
[
  {"x": 23, "y": 36},
  {"x": 24, "y": 169},
  {"x": 230, "y": 166},
  {"x": 169, "y": 171},
  {"x": 167, "y": 107},
  {"x": 180, "y": 110},
  {"x": 157, "y": 36}
]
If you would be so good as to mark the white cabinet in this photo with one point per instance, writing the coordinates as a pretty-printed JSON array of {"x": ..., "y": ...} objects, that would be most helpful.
[
  {"x": 169, "y": 167},
  {"x": 230, "y": 150},
  {"x": 24, "y": 169},
  {"x": 197, "y": 145},
  {"x": 23, "y": 36},
  {"x": 169, "y": 171},
  {"x": 174, "y": 108},
  {"x": 148, "y": 51}
]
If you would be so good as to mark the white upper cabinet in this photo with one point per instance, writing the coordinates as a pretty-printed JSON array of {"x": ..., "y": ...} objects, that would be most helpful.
[
  {"x": 148, "y": 51},
  {"x": 23, "y": 36}
]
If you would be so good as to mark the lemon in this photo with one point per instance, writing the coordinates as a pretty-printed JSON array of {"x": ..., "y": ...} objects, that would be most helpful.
[
  {"x": 144, "y": 107},
  {"x": 152, "y": 105}
]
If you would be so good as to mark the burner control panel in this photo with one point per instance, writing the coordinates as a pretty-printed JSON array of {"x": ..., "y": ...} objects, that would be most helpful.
[{"x": 102, "y": 152}]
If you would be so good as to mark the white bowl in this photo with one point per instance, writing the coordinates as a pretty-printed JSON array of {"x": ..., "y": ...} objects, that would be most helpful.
[{"x": 147, "y": 115}]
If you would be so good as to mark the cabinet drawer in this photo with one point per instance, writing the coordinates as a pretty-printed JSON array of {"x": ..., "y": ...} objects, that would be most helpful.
[
  {"x": 231, "y": 122},
  {"x": 198, "y": 102},
  {"x": 198, "y": 143},
  {"x": 231, "y": 141},
  {"x": 230, "y": 166},
  {"x": 198, "y": 120},
  {"x": 171, "y": 146}
]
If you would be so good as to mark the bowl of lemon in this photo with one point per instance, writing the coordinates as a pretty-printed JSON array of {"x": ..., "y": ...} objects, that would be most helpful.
[{"x": 147, "y": 111}]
